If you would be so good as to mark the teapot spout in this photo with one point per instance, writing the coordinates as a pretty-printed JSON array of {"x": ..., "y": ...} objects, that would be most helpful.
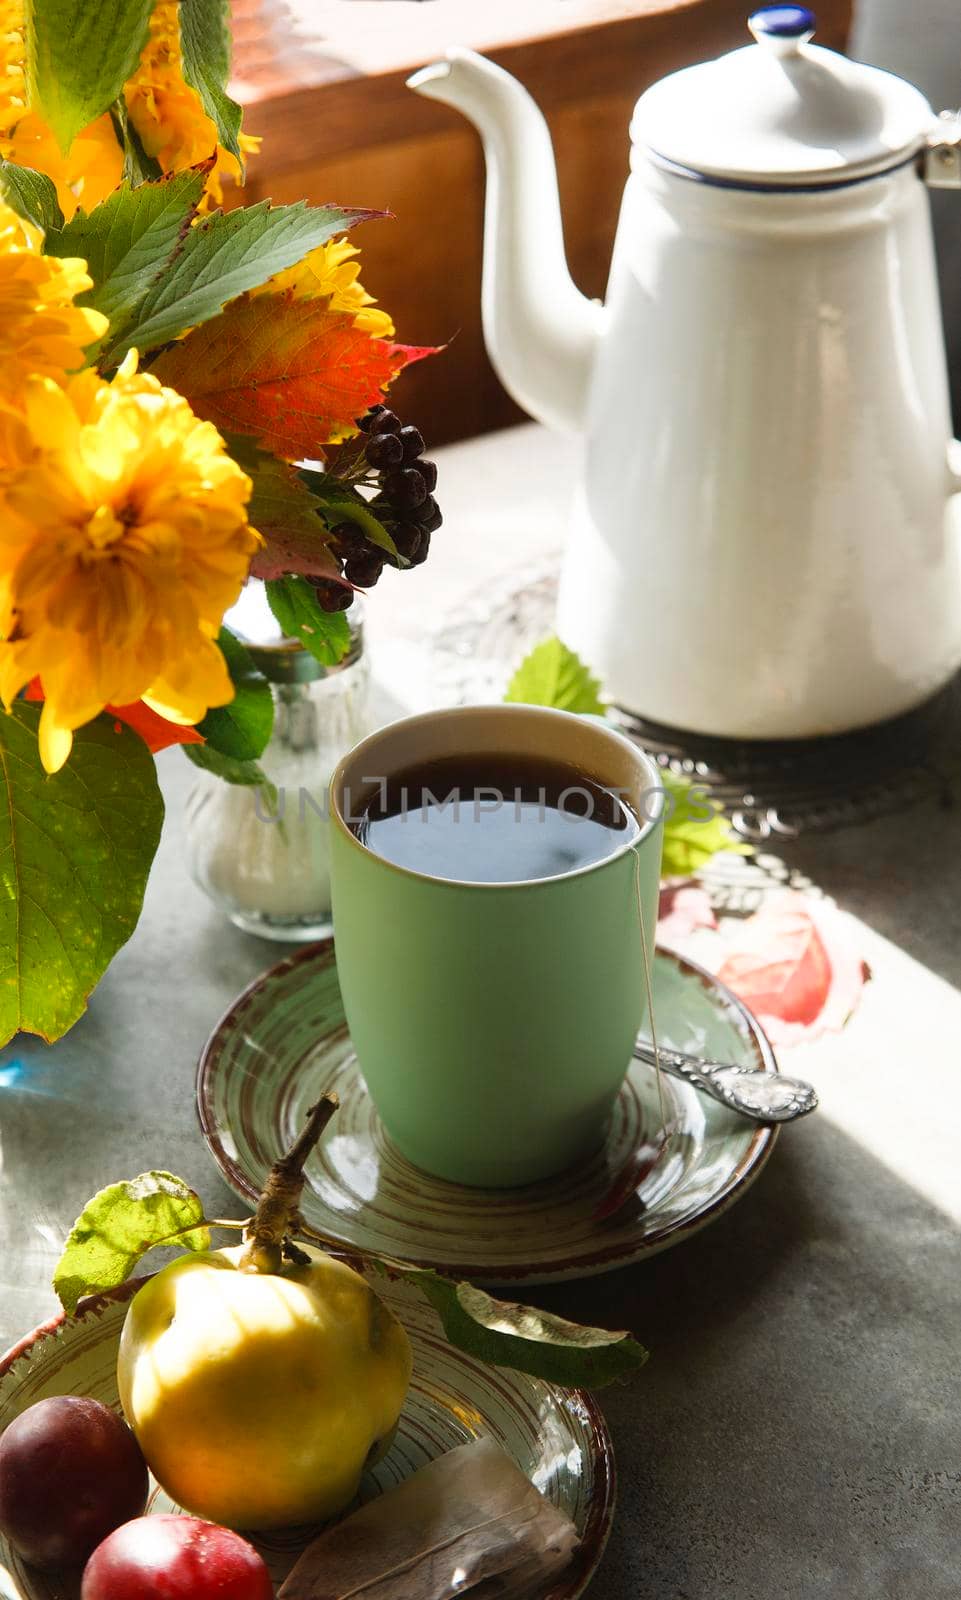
[{"x": 541, "y": 332}]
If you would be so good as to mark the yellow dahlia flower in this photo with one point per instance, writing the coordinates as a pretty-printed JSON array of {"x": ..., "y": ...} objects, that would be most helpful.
[
  {"x": 41, "y": 330},
  {"x": 331, "y": 270},
  {"x": 168, "y": 114},
  {"x": 89, "y": 172},
  {"x": 123, "y": 540},
  {"x": 93, "y": 166}
]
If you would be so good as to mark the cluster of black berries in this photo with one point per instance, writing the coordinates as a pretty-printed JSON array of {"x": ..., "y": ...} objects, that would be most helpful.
[{"x": 404, "y": 503}]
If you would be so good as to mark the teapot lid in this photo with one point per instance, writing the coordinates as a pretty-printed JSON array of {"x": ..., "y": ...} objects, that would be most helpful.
[{"x": 782, "y": 113}]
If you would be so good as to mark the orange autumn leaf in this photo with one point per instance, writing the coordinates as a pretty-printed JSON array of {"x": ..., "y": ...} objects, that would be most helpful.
[
  {"x": 156, "y": 731},
  {"x": 288, "y": 372}
]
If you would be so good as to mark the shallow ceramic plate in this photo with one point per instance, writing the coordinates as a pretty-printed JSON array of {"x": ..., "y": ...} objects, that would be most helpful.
[
  {"x": 284, "y": 1041},
  {"x": 556, "y": 1436}
]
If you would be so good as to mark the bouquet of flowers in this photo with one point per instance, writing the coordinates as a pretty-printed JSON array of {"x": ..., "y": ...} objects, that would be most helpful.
[{"x": 163, "y": 366}]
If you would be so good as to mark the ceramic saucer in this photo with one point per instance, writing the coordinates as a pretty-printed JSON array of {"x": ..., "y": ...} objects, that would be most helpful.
[
  {"x": 284, "y": 1041},
  {"x": 556, "y": 1436}
]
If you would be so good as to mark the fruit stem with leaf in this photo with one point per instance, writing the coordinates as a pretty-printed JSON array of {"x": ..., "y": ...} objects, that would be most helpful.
[{"x": 277, "y": 1211}]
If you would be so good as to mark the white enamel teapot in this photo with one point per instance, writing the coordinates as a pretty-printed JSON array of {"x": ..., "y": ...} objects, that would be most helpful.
[{"x": 766, "y": 539}]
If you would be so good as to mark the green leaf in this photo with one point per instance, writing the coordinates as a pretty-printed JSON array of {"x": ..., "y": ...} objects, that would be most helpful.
[
  {"x": 218, "y": 259},
  {"x": 31, "y": 194},
  {"x": 242, "y": 729},
  {"x": 285, "y": 513},
  {"x": 552, "y": 675},
  {"x": 79, "y": 55},
  {"x": 127, "y": 238},
  {"x": 205, "y": 48},
  {"x": 138, "y": 167},
  {"x": 119, "y": 1225},
  {"x": 326, "y": 634},
  {"x": 340, "y": 502},
  {"x": 247, "y": 773},
  {"x": 510, "y": 1335},
  {"x": 695, "y": 828},
  {"x": 75, "y": 851}
]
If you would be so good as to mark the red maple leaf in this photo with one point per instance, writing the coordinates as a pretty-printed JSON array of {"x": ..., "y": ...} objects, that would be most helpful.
[{"x": 288, "y": 372}]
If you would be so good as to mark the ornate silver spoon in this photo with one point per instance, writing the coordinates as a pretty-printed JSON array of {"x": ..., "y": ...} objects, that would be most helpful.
[{"x": 762, "y": 1096}]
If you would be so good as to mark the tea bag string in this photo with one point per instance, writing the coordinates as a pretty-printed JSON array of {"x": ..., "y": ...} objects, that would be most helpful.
[{"x": 646, "y": 955}]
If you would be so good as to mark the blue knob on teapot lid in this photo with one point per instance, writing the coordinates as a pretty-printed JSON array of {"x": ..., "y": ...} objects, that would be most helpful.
[{"x": 782, "y": 28}]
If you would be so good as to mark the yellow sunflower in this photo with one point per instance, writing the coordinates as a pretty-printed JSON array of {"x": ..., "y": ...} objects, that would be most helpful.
[
  {"x": 41, "y": 330},
  {"x": 168, "y": 114},
  {"x": 331, "y": 270},
  {"x": 123, "y": 539},
  {"x": 93, "y": 166}
]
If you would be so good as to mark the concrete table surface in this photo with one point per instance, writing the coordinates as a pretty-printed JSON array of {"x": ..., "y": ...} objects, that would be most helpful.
[{"x": 797, "y": 1432}]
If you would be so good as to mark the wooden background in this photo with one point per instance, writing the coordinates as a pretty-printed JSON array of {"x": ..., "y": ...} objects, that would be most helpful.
[{"x": 323, "y": 82}]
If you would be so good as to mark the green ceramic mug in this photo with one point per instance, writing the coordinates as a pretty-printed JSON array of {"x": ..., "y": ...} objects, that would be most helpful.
[{"x": 494, "y": 1023}]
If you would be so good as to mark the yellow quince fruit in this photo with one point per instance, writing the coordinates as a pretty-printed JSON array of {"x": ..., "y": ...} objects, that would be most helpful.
[{"x": 258, "y": 1397}]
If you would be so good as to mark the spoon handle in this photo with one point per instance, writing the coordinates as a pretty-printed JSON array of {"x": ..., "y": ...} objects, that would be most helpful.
[{"x": 762, "y": 1096}]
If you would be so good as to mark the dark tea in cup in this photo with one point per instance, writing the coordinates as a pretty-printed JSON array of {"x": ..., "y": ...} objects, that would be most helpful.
[{"x": 493, "y": 819}]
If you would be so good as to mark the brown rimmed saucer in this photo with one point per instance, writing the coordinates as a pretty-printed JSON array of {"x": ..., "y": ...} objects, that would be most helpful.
[{"x": 284, "y": 1041}]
